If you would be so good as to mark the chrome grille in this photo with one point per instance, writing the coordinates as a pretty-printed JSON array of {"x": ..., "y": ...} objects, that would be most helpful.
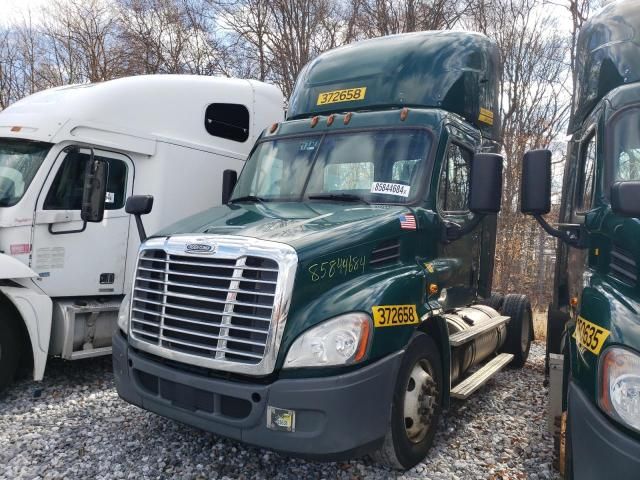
[{"x": 215, "y": 308}]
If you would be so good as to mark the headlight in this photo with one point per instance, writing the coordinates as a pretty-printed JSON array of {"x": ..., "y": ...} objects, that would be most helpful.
[
  {"x": 342, "y": 340},
  {"x": 123, "y": 314},
  {"x": 620, "y": 386}
]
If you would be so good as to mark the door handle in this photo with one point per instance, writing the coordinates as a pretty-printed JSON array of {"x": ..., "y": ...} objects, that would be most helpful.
[{"x": 52, "y": 217}]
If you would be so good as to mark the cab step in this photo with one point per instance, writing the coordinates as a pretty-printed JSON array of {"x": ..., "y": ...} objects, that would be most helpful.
[
  {"x": 465, "y": 336},
  {"x": 472, "y": 383}
]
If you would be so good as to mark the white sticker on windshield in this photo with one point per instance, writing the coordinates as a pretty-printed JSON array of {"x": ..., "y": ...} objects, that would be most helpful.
[
  {"x": 390, "y": 189},
  {"x": 110, "y": 197}
]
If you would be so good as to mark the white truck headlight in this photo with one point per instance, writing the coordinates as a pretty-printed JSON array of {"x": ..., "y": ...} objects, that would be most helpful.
[
  {"x": 342, "y": 340},
  {"x": 619, "y": 393},
  {"x": 123, "y": 314}
]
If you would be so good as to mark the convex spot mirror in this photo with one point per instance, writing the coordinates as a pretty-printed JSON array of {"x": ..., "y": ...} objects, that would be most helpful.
[
  {"x": 625, "y": 199},
  {"x": 139, "y": 204},
  {"x": 486, "y": 183},
  {"x": 94, "y": 190},
  {"x": 535, "y": 189}
]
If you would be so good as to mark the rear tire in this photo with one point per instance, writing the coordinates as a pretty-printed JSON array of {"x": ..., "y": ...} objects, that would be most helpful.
[
  {"x": 519, "y": 328},
  {"x": 495, "y": 301},
  {"x": 9, "y": 350},
  {"x": 416, "y": 406}
]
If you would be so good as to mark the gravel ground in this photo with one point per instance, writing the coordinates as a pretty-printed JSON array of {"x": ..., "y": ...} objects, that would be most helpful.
[{"x": 74, "y": 425}]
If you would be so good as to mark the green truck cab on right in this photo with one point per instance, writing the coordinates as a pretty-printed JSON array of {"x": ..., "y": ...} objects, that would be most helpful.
[{"x": 594, "y": 319}]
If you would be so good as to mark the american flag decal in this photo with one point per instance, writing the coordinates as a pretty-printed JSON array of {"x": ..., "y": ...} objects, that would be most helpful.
[{"x": 407, "y": 221}]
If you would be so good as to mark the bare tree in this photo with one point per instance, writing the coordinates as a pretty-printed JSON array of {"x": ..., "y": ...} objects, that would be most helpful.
[
  {"x": 81, "y": 42},
  {"x": 167, "y": 36},
  {"x": 535, "y": 106},
  {"x": 387, "y": 17}
]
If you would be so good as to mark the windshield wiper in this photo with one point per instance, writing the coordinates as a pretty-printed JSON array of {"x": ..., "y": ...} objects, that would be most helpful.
[
  {"x": 343, "y": 197},
  {"x": 249, "y": 198}
]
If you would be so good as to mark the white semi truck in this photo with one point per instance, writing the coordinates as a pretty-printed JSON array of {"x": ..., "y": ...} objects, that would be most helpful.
[{"x": 62, "y": 279}]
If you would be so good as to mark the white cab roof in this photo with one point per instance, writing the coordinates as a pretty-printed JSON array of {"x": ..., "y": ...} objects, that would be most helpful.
[{"x": 155, "y": 107}]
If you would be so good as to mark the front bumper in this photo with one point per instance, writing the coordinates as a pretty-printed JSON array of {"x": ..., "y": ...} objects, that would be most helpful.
[
  {"x": 337, "y": 417},
  {"x": 600, "y": 448}
]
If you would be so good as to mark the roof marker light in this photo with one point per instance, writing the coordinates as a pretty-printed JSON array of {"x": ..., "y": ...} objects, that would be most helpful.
[
  {"x": 347, "y": 118},
  {"x": 404, "y": 113},
  {"x": 330, "y": 119},
  {"x": 314, "y": 121},
  {"x": 273, "y": 128}
]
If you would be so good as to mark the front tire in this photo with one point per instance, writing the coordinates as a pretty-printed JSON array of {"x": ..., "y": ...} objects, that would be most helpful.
[
  {"x": 519, "y": 328},
  {"x": 9, "y": 350},
  {"x": 416, "y": 407}
]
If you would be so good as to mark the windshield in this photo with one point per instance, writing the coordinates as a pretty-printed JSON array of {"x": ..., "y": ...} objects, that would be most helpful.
[
  {"x": 19, "y": 162},
  {"x": 381, "y": 166},
  {"x": 626, "y": 144}
]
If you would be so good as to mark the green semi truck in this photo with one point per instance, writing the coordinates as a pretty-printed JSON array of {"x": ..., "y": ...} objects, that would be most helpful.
[
  {"x": 341, "y": 296},
  {"x": 594, "y": 319}
]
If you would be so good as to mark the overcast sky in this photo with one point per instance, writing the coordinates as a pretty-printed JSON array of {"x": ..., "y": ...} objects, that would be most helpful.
[{"x": 11, "y": 10}]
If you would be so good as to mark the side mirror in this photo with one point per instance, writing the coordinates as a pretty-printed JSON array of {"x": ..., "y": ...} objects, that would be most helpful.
[
  {"x": 535, "y": 189},
  {"x": 535, "y": 196},
  {"x": 139, "y": 205},
  {"x": 486, "y": 183},
  {"x": 625, "y": 199},
  {"x": 229, "y": 180},
  {"x": 94, "y": 191}
]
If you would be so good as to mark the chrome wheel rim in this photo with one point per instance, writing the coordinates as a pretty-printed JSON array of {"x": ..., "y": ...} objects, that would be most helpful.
[{"x": 420, "y": 402}]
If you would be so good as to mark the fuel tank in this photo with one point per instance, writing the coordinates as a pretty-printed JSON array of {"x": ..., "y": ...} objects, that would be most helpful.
[{"x": 477, "y": 350}]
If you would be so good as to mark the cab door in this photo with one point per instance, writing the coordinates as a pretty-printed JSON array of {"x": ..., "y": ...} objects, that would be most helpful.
[
  {"x": 459, "y": 260},
  {"x": 72, "y": 257}
]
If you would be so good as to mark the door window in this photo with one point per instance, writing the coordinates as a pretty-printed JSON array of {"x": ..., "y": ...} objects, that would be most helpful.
[
  {"x": 586, "y": 176},
  {"x": 626, "y": 145},
  {"x": 65, "y": 192},
  {"x": 453, "y": 193}
]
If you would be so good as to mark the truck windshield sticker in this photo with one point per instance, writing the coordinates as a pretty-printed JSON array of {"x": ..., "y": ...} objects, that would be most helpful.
[
  {"x": 390, "y": 189},
  {"x": 394, "y": 315},
  {"x": 110, "y": 197},
  {"x": 337, "y": 266},
  {"x": 346, "y": 95},
  {"x": 308, "y": 145},
  {"x": 590, "y": 336}
]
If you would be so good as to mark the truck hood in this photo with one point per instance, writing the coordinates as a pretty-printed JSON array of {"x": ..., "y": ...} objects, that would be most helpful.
[{"x": 314, "y": 226}]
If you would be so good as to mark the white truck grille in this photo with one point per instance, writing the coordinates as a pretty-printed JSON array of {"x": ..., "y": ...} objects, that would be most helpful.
[{"x": 215, "y": 308}]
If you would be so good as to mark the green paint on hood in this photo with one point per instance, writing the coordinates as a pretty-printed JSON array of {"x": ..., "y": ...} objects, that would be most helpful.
[{"x": 317, "y": 226}]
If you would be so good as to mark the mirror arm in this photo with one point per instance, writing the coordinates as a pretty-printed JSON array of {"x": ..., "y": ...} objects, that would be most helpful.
[
  {"x": 571, "y": 237},
  {"x": 140, "y": 226},
  {"x": 453, "y": 231}
]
